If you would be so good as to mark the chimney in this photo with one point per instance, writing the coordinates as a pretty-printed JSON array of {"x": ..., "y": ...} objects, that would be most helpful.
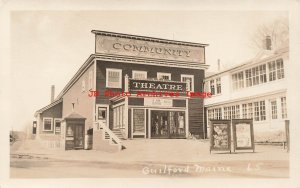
[
  {"x": 268, "y": 43},
  {"x": 52, "y": 93},
  {"x": 219, "y": 65}
]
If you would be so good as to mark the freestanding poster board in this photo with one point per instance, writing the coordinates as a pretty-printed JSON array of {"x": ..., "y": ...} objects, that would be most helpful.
[
  {"x": 220, "y": 135},
  {"x": 243, "y": 135}
]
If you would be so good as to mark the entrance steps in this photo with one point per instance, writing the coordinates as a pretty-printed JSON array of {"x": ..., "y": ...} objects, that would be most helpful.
[
  {"x": 105, "y": 139},
  {"x": 118, "y": 133}
]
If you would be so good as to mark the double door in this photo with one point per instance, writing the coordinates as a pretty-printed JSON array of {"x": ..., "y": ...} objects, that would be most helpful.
[
  {"x": 168, "y": 124},
  {"x": 75, "y": 136}
]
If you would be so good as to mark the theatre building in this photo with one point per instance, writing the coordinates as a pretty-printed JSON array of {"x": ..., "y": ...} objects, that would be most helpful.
[
  {"x": 256, "y": 89},
  {"x": 132, "y": 87}
]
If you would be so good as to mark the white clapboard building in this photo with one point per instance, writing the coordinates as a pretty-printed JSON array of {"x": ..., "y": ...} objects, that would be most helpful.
[{"x": 255, "y": 89}]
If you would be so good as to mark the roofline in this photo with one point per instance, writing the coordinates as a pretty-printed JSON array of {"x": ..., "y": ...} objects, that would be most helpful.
[
  {"x": 228, "y": 102},
  {"x": 76, "y": 76},
  {"x": 48, "y": 106},
  {"x": 151, "y": 39},
  {"x": 252, "y": 61}
]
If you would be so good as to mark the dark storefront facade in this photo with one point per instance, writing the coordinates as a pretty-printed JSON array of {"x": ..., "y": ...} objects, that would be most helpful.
[{"x": 141, "y": 86}]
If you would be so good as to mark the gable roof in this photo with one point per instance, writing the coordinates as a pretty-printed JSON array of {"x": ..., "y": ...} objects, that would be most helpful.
[
  {"x": 48, "y": 107},
  {"x": 261, "y": 56}
]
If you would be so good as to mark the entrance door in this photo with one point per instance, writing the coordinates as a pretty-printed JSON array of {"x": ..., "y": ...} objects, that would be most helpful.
[
  {"x": 78, "y": 137},
  {"x": 167, "y": 124},
  {"x": 102, "y": 115}
]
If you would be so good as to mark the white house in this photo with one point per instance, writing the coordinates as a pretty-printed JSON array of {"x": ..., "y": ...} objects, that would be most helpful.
[{"x": 256, "y": 89}]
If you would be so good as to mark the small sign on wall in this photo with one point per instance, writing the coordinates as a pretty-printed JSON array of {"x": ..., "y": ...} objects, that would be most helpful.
[
  {"x": 243, "y": 135},
  {"x": 220, "y": 135},
  {"x": 158, "y": 102}
]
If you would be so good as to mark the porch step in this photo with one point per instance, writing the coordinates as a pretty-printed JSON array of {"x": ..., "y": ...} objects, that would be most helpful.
[{"x": 118, "y": 133}]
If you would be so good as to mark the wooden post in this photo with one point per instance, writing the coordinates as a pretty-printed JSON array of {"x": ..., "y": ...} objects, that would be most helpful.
[{"x": 126, "y": 89}]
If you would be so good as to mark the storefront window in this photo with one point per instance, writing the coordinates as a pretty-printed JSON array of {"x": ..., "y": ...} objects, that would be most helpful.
[
  {"x": 167, "y": 124},
  {"x": 139, "y": 122},
  {"x": 119, "y": 117}
]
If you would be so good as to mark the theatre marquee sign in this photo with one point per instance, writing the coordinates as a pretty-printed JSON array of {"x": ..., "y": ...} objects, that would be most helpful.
[
  {"x": 156, "y": 85},
  {"x": 148, "y": 49}
]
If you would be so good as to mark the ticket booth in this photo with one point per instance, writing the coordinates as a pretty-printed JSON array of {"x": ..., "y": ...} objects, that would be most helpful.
[{"x": 74, "y": 131}]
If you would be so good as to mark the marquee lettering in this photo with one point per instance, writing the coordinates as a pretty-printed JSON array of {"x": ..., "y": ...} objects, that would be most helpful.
[
  {"x": 148, "y": 49},
  {"x": 157, "y": 85}
]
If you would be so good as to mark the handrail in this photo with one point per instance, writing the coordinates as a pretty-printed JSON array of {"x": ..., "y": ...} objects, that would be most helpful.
[{"x": 112, "y": 135}]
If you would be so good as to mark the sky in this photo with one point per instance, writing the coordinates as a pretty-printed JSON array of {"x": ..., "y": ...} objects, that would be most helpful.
[{"x": 48, "y": 47}]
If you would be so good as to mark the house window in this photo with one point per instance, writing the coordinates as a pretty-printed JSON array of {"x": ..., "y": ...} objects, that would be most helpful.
[
  {"x": 244, "y": 110},
  {"x": 272, "y": 70},
  {"x": 250, "y": 111},
  {"x": 218, "y": 113},
  {"x": 238, "y": 80},
  {"x": 273, "y": 109},
  {"x": 139, "y": 74},
  {"x": 212, "y": 87},
  {"x": 210, "y": 114},
  {"x": 237, "y": 111},
  {"x": 83, "y": 86},
  {"x": 218, "y": 81},
  {"x": 262, "y": 108},
  {"x": 47, "y": 124},
  {"x": 262, "y": 73},
  {"x": 114, "y": 78},
  {"x": 233, "y": 112},
  {"x": 280, "y": 69},
  {"x": 57, "y": 125},
  {"x": 248, "y": 78},
  {"x": 283, "y": 108},
  {"x": 185, "y": 78},
  {"x": 226, "y": 113},
  {"x": 255, "y": 75},
  {"x": 163, "y": 76},
  {"x": 90, "y": 79},
  {"x": 229, "y": 112},
  {"x": 256, "y": 111}
]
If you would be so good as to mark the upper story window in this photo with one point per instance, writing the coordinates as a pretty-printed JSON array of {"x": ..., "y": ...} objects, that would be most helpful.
[
  {"x": 255, "y": 75},
  {"x": 280, "y": 69},
  {"x": 272, "y": 70},
  {"x": 219, "y": 89},
  {"x": 262, "y": 73},
  {"x": 185, "y": 78},
  {"x": 163, "y": 76},
  {"x": 248, "y": 78},
  {"x": 212, "y": 87},
  {"x": 276, "y": 70},
  {"x": 139, "y": 74},
  {"x": 238, "y": 80},
  {"x": 114, "y": 78},
  {"x": 47, "y": 124}
]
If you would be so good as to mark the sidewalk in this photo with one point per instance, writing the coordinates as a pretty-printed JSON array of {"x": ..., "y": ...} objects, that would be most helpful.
[{"x": 155, "y": 150}]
